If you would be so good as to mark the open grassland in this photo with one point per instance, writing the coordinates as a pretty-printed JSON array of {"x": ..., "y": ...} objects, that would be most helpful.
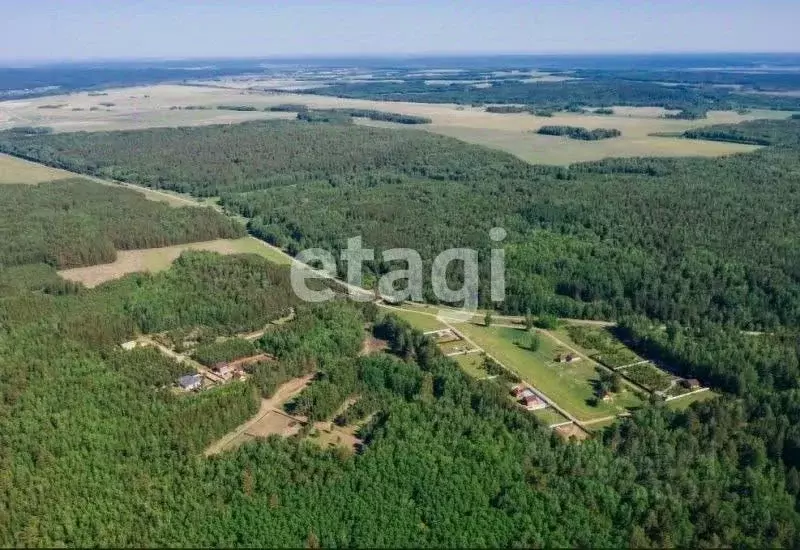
[
  {"x": 154, "y": 106},
  {"x": 571, "y": 386},
  {"x": 14, "y": 170},
  {"x": 158, "y": 259}
]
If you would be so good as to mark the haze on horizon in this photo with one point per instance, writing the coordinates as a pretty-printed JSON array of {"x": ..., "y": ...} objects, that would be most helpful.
[{"x": 49, "y": 30}]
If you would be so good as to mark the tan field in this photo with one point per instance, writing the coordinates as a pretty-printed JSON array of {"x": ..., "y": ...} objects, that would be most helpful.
[
  {"x": 152, "y": 260},
  {"x": 149, "y": 106},
  {"x": 14, "y": 170}
]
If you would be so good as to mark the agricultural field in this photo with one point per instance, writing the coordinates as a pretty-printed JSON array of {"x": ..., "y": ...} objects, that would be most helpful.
[
  {"x": 164, "y": 105},
  {"x": 152, "y": 260},
  {"x": 572, "y": 386},
  {"x": 14, "y": 170}
]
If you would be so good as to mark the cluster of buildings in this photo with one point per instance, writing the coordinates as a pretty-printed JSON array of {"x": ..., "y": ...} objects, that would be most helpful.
[{"x": 527, "y": 398}]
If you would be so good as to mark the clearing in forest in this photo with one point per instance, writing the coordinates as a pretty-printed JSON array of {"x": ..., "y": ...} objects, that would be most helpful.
[
  {"x": 573, "y": 386},
  {"x": 422, "y": 321},
  {"x": 269, "y": 420},
  {"x": 151, "y": 260}
]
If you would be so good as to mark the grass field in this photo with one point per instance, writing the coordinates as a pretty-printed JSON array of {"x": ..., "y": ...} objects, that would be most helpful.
[
  {"x": 150, "y": 106},
  {"x": 425, "y": 323},
  {"x": 603, "y": 424},
  {"x": 14, "y": 170},
  {"x": 471, "y": 364},
  {"x": 571, "y": 386},
  {"x": 684, "y": 402},
  {"x": 549, "y": 416},
  {"x": 158, "y": 259}
]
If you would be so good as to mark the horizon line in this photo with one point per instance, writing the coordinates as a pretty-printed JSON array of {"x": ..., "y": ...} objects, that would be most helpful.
[{"x": 6, "y": 63}]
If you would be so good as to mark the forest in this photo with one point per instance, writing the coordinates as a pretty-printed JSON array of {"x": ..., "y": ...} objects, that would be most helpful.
[
  {"x": 685, "y": 254},
  {"x": 673, "y": 239},
  {"x": 592, "y": 91},
  {"x": 95, "y": 450},
  {"x": 577, "y": 132},
  {"x": 757, "y": 132},
  {"x": 72, "y": 223}
]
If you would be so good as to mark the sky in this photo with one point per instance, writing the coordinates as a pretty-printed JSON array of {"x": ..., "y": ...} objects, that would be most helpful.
[{"x": 95, "y": 29}]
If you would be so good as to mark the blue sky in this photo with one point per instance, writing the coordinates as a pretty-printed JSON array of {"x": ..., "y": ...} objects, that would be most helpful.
[{"x": 81, "y": 29}]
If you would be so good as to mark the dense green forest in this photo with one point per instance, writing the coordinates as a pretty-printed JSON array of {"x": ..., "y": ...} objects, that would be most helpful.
[
  {"x": 94, "y": 451},
  {"x": 755, "y": 132},
  {"x": 674, "y": 239},
  {"x": 77, "y": 222},
  {"x": 577, "y": 132},
  {"x": 332, "y": 115},
  {"x": 595, "y": 91}
]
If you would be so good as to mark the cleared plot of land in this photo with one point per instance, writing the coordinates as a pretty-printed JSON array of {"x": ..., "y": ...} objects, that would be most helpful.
[
  {"x": 599, "y": 344},
  {"x": 274, "y": 422},
  {"x": 158, "y": 259},
  {"x": 267, "y": 421},
  {"x": 549, "y": 416},
  {"x": 423, "y": 322},
  {"x": 571, "y": 386},
  {"x": 683, "y": 402},
  {"x": 14, "y": 170},
  {"x": 150, "y": 106},
  {"x": 570, "y": 431},
  {"x": 329, "y": 435},
  {"x": 472, "y": 364},
  {"x": 601, "y": 425}
]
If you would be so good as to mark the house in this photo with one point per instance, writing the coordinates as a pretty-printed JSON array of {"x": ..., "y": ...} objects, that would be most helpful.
[
  {"x": 527, "y": 392},
  {"x": 691, "y": 383},
  {"x": 128, "y": 346},
  {"x": 223, "y": 369},
  {"x": 190, "y": 382},
  {"x": 533, "y": 402},
  {"x": 517, "y": 390}
]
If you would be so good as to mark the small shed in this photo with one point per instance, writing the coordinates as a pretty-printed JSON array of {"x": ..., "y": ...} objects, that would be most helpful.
[
  {"x": 223, "y": 369},
  {"x": 533, "y": 402},
  {"x": 691, "y": 383},
  {"x": 190, "y": 382}
]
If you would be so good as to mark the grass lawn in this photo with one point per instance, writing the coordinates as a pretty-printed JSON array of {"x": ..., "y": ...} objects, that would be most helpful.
[
  {"x": 600, "y": 426},
  {"x": 472, "y": 364},
  {"x": 683, "y": 402},
  {"x": 423, "y": 322},
  {"x": 571, "y": 386},
  {"x": 549, "y": 416}
]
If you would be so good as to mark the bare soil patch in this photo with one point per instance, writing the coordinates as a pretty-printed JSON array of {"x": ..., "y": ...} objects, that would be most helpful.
[{"x": 270, "y": 418}]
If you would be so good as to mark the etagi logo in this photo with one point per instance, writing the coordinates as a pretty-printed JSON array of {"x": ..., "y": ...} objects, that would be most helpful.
[{"x": 388, "y": 288}]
